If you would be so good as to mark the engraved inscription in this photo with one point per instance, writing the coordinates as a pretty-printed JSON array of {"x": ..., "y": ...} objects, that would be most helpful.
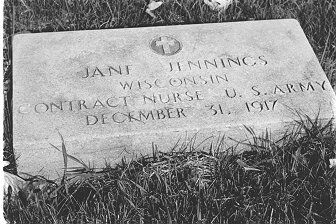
[
  {"x": 174, "y": 97},
  {"x": 187, "y": 81},
  {"x": 108, "y": 71},
  {"x": 261, "y": 106},
  {"x": 136, "y": 116},
  {"x": 216, "y": 63}
]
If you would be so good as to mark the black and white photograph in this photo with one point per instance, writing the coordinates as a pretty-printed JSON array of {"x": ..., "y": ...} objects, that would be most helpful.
[{"x": 169, "y": 111}]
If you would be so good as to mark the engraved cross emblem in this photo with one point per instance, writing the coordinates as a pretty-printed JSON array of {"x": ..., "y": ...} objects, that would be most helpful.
[
  {"x": 166, "y": 42},
  {"x": 165, "y": 45}
]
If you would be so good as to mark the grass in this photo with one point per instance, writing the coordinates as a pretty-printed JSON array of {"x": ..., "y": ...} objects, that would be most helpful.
[{"x": 295, "y": 184}]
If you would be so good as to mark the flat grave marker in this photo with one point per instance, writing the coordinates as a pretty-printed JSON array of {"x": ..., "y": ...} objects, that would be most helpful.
[{"x": 114, "y": 93}]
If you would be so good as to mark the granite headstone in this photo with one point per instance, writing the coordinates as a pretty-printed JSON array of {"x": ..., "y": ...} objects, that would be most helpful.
[{"x": 114, "y": 93}]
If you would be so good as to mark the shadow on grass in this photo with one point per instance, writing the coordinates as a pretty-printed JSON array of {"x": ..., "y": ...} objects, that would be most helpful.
[{"x": 291, "y": 182}]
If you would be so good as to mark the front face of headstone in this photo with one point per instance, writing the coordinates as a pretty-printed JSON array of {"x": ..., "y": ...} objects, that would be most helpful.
[{"x": 112, "y": 93}]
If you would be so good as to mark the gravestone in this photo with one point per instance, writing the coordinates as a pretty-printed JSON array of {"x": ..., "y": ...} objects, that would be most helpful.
[{"x": 114, "y": 94}]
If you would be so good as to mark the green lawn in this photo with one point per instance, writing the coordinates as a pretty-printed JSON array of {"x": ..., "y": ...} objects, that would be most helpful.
[{"x": 294, "y": 183}]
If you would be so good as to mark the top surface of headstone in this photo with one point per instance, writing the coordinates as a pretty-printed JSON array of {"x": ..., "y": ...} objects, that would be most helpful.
[{"x": 107, "y": 91}]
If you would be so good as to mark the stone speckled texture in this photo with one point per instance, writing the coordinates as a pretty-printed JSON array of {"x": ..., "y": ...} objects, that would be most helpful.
[{"x": 113, "y": 93}]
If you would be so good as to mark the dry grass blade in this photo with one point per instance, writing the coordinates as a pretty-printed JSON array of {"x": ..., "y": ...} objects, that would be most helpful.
[
  {"x": 86, "y": 167},
  {"x": 245, "y": 166},
  {"x": 73, "y": 158},
  {"x": 65, "y": 158}
]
